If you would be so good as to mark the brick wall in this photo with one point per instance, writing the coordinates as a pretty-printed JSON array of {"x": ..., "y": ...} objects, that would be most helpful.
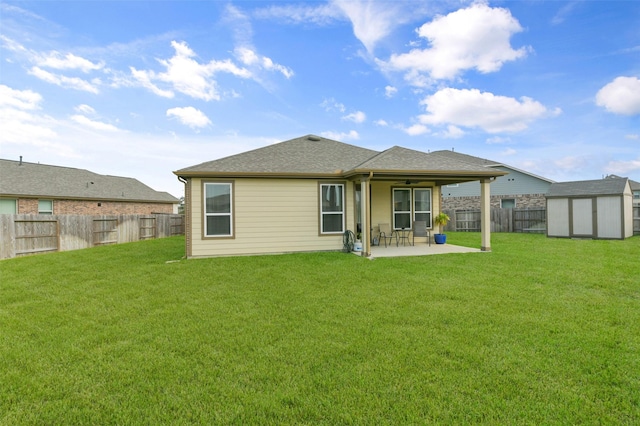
[
  {"x": 30, "y": 206},
  {"x": 470, "y": 203}
]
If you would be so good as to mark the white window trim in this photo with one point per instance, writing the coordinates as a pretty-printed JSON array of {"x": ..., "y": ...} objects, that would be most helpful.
[
  {"x": 430, "y": 211},
  {"x": 206, "y": 215},
  {"x": 393, "y": 207},
  {"x": 322, "y": 213}
]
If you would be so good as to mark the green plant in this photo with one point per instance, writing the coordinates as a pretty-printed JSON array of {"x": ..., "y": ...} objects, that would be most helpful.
[{"x": 441, "y": 220}]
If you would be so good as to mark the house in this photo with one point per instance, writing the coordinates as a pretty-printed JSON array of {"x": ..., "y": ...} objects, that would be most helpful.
[
  {"x": 518, "y": 189},
  {"x": 635, "y": 188},
  {"x": 31, "y": 188},
  {"x": 304, "y": 193},
  {"x": 590, "y": 209}
]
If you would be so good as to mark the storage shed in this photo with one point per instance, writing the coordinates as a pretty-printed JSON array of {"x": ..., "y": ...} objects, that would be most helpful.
[{"x": 590, "y": 209}]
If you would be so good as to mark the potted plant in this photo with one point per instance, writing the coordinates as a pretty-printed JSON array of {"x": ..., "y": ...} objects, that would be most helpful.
[{"x": 441, "y": 220}]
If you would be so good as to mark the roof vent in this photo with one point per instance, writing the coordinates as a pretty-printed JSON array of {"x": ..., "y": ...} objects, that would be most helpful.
[{"x": 313, "y": 138}]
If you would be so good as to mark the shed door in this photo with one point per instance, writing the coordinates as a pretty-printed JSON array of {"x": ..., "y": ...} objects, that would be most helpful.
[{"x": 582, "y": 217}]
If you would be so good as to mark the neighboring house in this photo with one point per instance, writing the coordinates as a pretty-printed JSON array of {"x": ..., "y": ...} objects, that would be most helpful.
[
  {"x": 600, "y": 208},
  {"x": 30, "y": 188},
  {"x": 635, "y": 188},
  {"x": 304, "y": 193},
  {"x": 518, "y": 189}
]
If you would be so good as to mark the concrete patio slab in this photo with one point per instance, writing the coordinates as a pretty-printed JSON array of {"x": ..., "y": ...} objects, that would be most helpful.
[{"x": 420, "y": 250}]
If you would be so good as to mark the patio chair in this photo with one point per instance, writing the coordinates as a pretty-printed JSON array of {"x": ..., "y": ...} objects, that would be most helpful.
[
  {"x": 386, "y": 233},
  {"x": 420, "y": 230}
]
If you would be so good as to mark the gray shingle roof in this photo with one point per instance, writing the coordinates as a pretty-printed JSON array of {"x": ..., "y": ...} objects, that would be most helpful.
[
  {"x": 314, "y": 155},
  {"x": 40, "y": 180},
  {"x": 587, "y": 187},
  {"x": 305, "y": 155},
  {"x": 399, "y": 158},
  {"x": 456, "y": 156}
]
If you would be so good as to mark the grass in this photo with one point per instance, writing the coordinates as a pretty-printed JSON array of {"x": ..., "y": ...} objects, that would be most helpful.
[{"x": 539, "y": 331}]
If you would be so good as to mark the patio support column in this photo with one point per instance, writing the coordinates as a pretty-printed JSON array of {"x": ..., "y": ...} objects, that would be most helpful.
[
  {"x": 364, "y": 214},
  {"x": 485, "y": 215}
]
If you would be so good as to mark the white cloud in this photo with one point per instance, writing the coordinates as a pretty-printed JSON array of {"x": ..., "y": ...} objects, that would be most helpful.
[
  {"x": 356, "y": 117},
  {"x": 498, "y": 140},
  {"x": 632, "y": 136},
  {"x": 564, "y": 11},
  {"x": 372, "y": 20},
  {"x": 623, "y": 167},
  {"x": 476, "y": 37},
  {"x": 185, "y": 75},
  {"x": 331, "y": 104},
  {"x": 22, "y": 126},
  {"x": 390, "y": 91},
  {"x": 453, "y": 132},
  {"x": 352, "y": 135},
  {"x": 64, "y": 81},
  {"x": 381, "y": 123},
  {"x": 323, "y": 14},
  {"x": 92, "y": 124},
  {"x": 69, "y": 61},
  {"x": 21, "y": 99},
  {"x": 250, "y": 58},
  {"x": 144, "y": 80},
  {"x": 189, "y": 116},
  {"x": 416, "y": 130},
  {"x": 85, "y": 109},
  {"x": 475, "y": 109},
  {"x": 621, "y": 96},
  {"x": 509, "y": 151},
  {"x": 570, "y": 163}
]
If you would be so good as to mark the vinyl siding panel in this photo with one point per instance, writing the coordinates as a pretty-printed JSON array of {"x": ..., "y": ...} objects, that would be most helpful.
[
  {"x": 582, "y": 209},
  {"x": 558, "y": 217},
  {"x": 628, "y": 216},
  {"x": 515, "y": 183},
  {"x": 270, "y": 216},
  {"x": 610, "y": 221}
]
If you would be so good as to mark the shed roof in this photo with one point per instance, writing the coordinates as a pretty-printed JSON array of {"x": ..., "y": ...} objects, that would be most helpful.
[
  {"x": 41, "y": 180},
  {"x": 588, "y": 187},
  {"x": 312, "y": 155}
]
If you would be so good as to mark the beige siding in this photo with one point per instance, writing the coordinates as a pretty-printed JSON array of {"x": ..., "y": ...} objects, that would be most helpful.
[
  {"x": 610, "y": 219},
  {"x": 558, "y": 217},
  {"x": 271, "y": 216}
]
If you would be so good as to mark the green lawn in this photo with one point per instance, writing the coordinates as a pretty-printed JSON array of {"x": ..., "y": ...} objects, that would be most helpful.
[{"x": 539, "y": 331}]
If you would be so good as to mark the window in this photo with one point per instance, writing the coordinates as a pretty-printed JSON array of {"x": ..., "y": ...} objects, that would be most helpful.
[
  {"x": 402, "y": 208},
  {"x": 218, "y": 209},
  {"x": 45, "y": 206},
  {"x": 8, "y": 206},
  {"x": 331, "y": 208},
  {"x": 422, "y": 205},
  {"x": 508, "y": 203}
]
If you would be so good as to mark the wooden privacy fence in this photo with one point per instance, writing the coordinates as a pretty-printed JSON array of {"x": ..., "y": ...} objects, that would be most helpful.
[
  {"x": 32, "y": 234},
  {"x": 502, "y": 220}
]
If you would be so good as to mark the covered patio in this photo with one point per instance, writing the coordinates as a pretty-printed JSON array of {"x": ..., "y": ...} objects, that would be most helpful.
[{"x": 400, "y": 186}]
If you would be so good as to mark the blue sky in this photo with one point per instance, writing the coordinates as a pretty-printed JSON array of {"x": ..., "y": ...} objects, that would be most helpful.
[{"x": 143, "y": 88}]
